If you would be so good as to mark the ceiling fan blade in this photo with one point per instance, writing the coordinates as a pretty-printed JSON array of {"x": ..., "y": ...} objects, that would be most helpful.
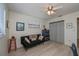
[
  {"x": 55, "y": 8},
  {"x": 44, "y": 9}
]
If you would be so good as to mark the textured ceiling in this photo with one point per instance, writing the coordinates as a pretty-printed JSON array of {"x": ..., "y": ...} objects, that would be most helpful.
[{"x": 36, "y": 9}]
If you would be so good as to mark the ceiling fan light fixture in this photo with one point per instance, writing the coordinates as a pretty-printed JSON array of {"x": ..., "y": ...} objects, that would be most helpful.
[
  {"x": 49, "y": 12},
  {"x": 52, "y": 12},
  {"x": 51, "y": 9}
]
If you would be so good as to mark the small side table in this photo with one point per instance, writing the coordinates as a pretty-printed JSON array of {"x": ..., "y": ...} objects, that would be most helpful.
[{"x": 12, "y": 44}]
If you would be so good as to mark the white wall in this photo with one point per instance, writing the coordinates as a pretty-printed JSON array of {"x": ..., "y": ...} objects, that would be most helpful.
[
  {"x": 17, "y": 17},
  {"x": 70, "y": 35},
  {"x": 3, "y": 39}
]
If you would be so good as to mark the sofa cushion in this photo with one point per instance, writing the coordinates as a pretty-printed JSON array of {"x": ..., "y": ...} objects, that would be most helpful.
[
  {"x": 27, "y": 40},
  {"x": 33, "y": 37},
  {"x": 40, "y": 37}
]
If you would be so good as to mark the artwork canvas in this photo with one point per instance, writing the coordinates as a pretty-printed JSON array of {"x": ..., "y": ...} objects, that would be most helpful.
[
  {"x": 19, "y": 26},
  {"x": 34, "y": 25}
]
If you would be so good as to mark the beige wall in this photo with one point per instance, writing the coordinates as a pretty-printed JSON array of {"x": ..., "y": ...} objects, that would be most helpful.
[
  {"x": 70, "y": 35},
  {"x": 3, "y": 39},
  {"x": 18, "y": 17}
]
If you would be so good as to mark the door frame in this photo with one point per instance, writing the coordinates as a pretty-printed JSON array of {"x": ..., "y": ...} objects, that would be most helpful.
[
  {"x": 56, "y": 21},
  {"x": 77, "y": 31}
]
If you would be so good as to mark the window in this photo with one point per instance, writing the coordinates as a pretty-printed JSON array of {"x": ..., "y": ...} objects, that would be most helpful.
[{"x": 2, "y": 21}]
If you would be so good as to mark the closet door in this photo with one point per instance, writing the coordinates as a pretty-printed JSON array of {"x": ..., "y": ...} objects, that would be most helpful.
[
  {"x": 57, "y": 31},
  {"x": 52, "y": 28},
  {"x": 54, "y": 32},
  {"x": 51, "y": 31},
  {"x": 60, "y": 32}
]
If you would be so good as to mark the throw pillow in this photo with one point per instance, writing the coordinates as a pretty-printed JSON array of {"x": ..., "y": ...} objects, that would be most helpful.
[
  {"x": 40, "y": 37},
  {"x": 33, "y": 37},
  {"x": 27, "y": 40}
]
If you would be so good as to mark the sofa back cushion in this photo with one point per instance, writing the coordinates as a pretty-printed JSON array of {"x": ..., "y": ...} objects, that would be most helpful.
[{"x": 33, "y": 37}]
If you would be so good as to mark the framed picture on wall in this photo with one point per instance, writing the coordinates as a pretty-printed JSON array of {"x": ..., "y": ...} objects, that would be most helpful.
[
  {"x": 19, "y": 26},
  {"x": 34, "y": 25}
]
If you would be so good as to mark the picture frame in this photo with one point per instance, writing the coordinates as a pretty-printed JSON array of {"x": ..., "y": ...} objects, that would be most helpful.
[
  {"x": 20, "y": 26},
  {"x": 33, "y": 25}
]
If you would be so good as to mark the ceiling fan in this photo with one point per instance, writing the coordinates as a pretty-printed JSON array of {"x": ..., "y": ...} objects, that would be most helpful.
[{"x": 50, "y": 9}]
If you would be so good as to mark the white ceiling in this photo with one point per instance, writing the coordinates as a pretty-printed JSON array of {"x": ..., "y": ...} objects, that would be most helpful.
[{"x": 35, "y": 9}]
